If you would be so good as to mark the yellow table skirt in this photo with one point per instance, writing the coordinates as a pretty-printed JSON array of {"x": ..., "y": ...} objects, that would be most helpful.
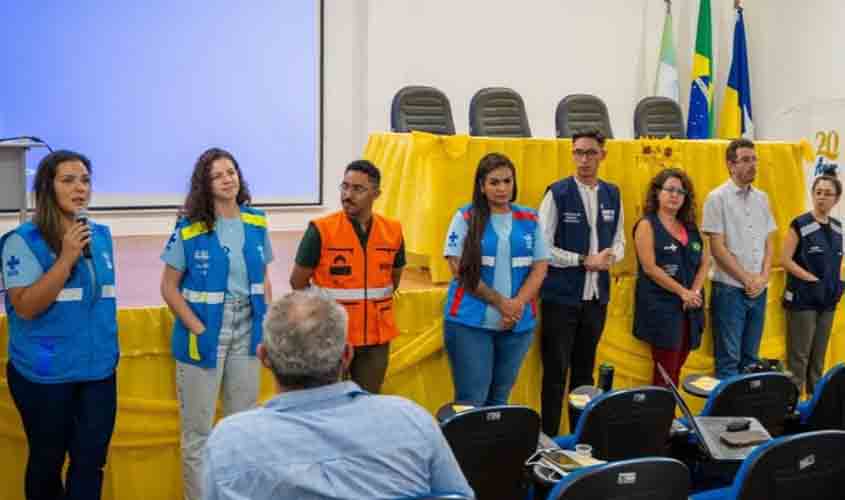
[
  {"x": 425, "y": 178},
  {"x": 144, "y": 459}
]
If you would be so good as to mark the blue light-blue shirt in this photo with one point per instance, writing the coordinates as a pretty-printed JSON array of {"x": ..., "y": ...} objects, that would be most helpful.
[
  {"x": 230, "y": 232},
  {"x": 502, "y": 224},
  {"x": 330, "y": 442}
]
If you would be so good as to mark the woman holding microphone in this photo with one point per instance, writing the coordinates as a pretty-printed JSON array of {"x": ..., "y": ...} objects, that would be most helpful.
[
  {"x": 812, "y": 257},
  {"x": 673, "y": 264},
  {"x": 60, "y": 300},
  {"x": 216, "y": 283}
]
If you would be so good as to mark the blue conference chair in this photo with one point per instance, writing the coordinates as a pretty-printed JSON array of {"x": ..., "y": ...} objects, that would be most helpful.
[
  {"x": 826, "y": 409},
  {"x": 805, "y": 466},
  {"x": 625, "y": 424},
  {"x": 655, "y": 478},
  {"x": 770, "y": 397}
]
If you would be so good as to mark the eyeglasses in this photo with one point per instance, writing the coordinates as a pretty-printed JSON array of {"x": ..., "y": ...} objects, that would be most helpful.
[
  {"x": 678, "y": 191},
  {"x": 746, "y": 159},
  {"x": 585, "y": 153},
  {"x": 354, "y": 188}
]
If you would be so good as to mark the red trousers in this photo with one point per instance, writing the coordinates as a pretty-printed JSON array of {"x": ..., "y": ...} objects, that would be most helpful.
[{"x": 672, "y": 360}]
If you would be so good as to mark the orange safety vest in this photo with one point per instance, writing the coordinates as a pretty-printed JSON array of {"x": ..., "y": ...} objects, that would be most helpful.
[{"x": 360, "y": 279}]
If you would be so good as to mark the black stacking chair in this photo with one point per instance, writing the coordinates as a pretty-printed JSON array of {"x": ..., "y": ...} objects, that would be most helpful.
[
  {"x": 581, "y": 111},
  {"x": 770, "y": 397},
  {"x": 425, "y": 109},
  {"x": 652, "y": 478},
  {"x": 805, "y": 466},
  {"x": 625, "y": 424},
  {"x": 826, "y": 410},
  {"x": 498, "y": 112},
  {"x": 491, "y": 445},
  {"x": 659, "y": 117}
]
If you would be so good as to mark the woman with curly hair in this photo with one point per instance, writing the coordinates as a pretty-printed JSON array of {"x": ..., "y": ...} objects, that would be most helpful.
[
  {"x": 673, "y": 264},
  {"x": 216, "y": 283}
]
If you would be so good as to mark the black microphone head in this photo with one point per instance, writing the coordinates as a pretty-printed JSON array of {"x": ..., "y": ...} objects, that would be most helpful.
[{"x": 82, "y": 215}]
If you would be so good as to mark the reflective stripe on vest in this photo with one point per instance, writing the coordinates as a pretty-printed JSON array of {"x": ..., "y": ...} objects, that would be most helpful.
[
  {"x": 256, "y": 289},
  {"x": 527, "y": 261},
  {"x": 108, "y": 292},
  {"x": 358, "y": 293},
  {"x": 69, "y": 295},
  {"x": 203, "y": 297}
]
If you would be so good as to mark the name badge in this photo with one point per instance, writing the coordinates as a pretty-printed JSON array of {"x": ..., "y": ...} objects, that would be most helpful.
[{"x": 608, "y": 214}]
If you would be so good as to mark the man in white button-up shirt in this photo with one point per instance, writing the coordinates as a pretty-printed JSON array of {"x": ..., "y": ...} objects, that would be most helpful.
[
  {"x": 739, "y": 222},
  {"x": 582, "y": 223}
]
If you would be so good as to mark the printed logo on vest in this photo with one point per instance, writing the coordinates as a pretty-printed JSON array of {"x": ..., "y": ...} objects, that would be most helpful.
[
  {"x": 695, "y": 246},
  {"x": 571, "y": 217},
  {"x": 12, "y": 266},
  {"x": 106, "y": 257},
  {"x": 671, "y": 247},
  {"x": 453, "y": 239},
  {"x": 340, "y": 267},
  {"x": 608, "y": 214},
  {"x": 529, "y": 241}
]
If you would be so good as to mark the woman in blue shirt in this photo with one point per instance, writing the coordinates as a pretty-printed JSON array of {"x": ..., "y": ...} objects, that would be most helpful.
[
  {"x": 498, "y": 259},
  {"x": 216, "y": 283},
  {"x": 63, "y": 351}
]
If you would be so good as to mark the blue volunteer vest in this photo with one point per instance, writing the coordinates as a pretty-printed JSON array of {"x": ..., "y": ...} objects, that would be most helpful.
[
  {"x": 205, "y": 281},
  {"x": 658, "y": 313},
  {"x": 566, "y": 285},
  {"x": 821, "y": 257},
  {"x": 465, "y": 308},
  {"x": 75, "y": 339}
]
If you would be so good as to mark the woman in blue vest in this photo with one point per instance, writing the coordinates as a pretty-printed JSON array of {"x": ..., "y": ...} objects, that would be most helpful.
[
  {"x": 62, "y": 315},
  {"x": 812, "y": 257},
  {"x": 496, "y": 253},
  {"x": 216, "y": 283},
  {"x": 673, "y": 264}
]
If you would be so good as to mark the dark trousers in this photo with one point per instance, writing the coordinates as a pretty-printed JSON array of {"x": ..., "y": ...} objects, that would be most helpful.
[
  {"x": 369, "y": 364},
  {"x": 75, "y": 418},
  {"x": 570, "y": 336}
]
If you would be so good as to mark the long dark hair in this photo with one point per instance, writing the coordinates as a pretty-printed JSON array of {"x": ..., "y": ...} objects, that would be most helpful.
[
  {"x": 686, "y": 214},
  {"x": 48, "y": 216},
  {"x": 199, "y": 204},
  {"x": 469, "y": 269}
]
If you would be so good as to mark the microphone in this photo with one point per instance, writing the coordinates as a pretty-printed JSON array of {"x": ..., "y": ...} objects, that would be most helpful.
[{"x": 82, "y": 216}]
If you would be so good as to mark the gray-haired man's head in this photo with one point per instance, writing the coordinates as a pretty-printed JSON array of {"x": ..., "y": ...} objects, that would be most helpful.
[{"x": 304, "y": 339}]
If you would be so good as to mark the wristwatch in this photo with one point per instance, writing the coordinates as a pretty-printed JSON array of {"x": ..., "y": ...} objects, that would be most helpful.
[{"x": 581, "y": 259}]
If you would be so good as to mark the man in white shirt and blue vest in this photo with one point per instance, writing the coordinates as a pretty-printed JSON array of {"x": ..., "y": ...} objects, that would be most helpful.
[{"x": 582, "y": 222}]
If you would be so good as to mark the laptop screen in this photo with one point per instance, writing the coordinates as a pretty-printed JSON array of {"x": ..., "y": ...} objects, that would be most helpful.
[{"x": 685, "y": 410}]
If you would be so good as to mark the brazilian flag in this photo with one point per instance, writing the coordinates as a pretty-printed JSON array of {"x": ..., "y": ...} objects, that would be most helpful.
[{"x": 700, "y": 116}]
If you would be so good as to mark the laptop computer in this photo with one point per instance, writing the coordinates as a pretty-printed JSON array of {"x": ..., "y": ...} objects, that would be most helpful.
[{"x": 708, "y": 429}]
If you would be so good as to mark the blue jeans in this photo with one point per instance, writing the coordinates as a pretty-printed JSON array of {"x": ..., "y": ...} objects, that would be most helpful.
[
  {"x": 485, "y": 363},
  {"x": 737, "y": 328},
  {"x": 74, "y": 418}
]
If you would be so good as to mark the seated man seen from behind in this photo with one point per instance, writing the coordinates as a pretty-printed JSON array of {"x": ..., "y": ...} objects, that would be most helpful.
[{"x": 320, "y": 437}]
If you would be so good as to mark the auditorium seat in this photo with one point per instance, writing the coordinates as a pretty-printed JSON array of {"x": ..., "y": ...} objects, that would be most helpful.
[
  {"x": 805, "y": 466},
  {"x": 659, "y": 117},
  {"x": 491, "y": 445},
  {"x": 581, "y": 111},
  {"x": 498, "y": 112},
  {"x": 425, "y": 109},
  {"x": 770, "y": 397},
  {"x": 826, "y": 410},
  {"x": 625, "y": 424},
  {"x": 652, "y": 478}
]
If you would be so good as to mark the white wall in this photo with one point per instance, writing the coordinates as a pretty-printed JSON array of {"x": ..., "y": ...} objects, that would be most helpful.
[{"x": 547, "y": 49}]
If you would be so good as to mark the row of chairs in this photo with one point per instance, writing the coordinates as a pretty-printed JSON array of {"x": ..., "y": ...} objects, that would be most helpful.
[
  {"x": 500, "y": 112},
  {"x": 629, "y": 428}
]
